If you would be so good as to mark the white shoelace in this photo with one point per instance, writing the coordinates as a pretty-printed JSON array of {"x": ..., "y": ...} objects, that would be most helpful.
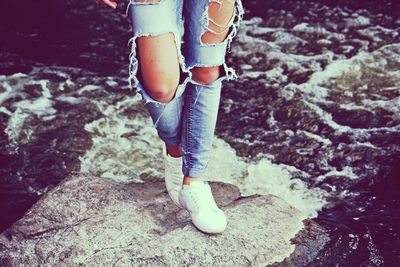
[{"x": 202, "y": 196}]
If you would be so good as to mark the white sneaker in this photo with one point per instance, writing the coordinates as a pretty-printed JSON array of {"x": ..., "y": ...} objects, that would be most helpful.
[
  {"x": 198, "y": 200},
  {"x": 173, "y": 175}
]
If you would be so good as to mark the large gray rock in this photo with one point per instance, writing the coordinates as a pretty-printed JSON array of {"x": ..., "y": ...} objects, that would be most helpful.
[{"x": 93, "y": 221}]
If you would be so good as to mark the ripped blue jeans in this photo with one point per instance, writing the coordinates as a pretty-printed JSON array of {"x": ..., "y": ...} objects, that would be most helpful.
[{"x": 189, "y": 118}]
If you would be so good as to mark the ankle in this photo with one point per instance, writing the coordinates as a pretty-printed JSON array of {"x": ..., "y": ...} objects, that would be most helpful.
[
  {"x": 174, "y": 151},
  {"x": 187, "y": 180}
]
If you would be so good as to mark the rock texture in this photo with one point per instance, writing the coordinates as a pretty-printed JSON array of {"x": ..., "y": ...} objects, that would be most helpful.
[{"x": 93, "y": 221}]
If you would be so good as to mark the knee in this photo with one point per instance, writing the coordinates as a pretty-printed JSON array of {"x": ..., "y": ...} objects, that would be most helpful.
[
  {"x": 158, "y": 68},
  {"x": 161, "y": 89},
  {"x": 206, "y": 75}
]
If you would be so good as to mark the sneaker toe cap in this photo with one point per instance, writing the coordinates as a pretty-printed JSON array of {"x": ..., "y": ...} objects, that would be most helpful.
[{"x": 210, "y": 221}]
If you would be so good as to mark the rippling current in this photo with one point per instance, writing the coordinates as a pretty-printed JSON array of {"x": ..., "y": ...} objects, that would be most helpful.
[{"x": 317, "y": 102}]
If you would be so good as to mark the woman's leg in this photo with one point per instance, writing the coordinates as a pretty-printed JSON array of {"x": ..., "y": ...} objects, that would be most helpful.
[
  {"x": 205, "y": 48},
  {"x": 155, "y": 71},
  {"x": 159, "y": 69}
]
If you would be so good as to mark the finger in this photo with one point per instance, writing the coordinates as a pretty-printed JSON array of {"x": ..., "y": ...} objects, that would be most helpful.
[{"x": 110, "y": 3}]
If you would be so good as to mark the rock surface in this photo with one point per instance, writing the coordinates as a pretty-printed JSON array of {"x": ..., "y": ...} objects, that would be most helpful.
[{"x": 93, "y": 221}]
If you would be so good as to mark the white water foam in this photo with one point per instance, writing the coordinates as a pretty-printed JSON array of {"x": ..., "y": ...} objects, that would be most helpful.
[
  {"x": 124, "y": 148},
  {"x": 41, "y": 106},
  {"x": 264, "y": 177}
]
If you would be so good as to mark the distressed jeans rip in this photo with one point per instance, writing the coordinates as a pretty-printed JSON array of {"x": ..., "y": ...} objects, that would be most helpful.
[
  {"x": 200, "y": 107},
  {"x": 208, "y": 19}
]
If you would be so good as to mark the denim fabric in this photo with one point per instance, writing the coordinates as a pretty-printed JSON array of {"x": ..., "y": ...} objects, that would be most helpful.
[{"x": 190, "y": 116}]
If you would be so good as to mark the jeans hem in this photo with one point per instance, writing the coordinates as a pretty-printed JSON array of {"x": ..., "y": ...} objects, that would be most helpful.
[
  {"x": 195, "y": 173},
  {"x": 168, "y": 141}
]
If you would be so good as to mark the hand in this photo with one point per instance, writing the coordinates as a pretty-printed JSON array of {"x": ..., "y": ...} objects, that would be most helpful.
[{"x": 110, "y": 3}]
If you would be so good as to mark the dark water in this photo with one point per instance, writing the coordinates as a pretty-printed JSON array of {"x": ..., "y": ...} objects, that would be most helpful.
[{"x": 318, "y": 94}]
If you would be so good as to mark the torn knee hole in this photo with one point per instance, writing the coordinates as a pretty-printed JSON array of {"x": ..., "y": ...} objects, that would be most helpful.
[
  {"x": 207, "y": 75},
  {"x": 144, "y": 40},
  {"x": 157, "y": 68},
  {"x": 219, "y": 15}
]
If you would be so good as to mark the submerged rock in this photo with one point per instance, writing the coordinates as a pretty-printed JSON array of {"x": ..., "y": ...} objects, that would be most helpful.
[{"x": 95, "y": 221}]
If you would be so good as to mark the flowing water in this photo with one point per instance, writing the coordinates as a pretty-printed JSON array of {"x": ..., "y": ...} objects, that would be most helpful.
[{"x": 314, "y": 117}]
